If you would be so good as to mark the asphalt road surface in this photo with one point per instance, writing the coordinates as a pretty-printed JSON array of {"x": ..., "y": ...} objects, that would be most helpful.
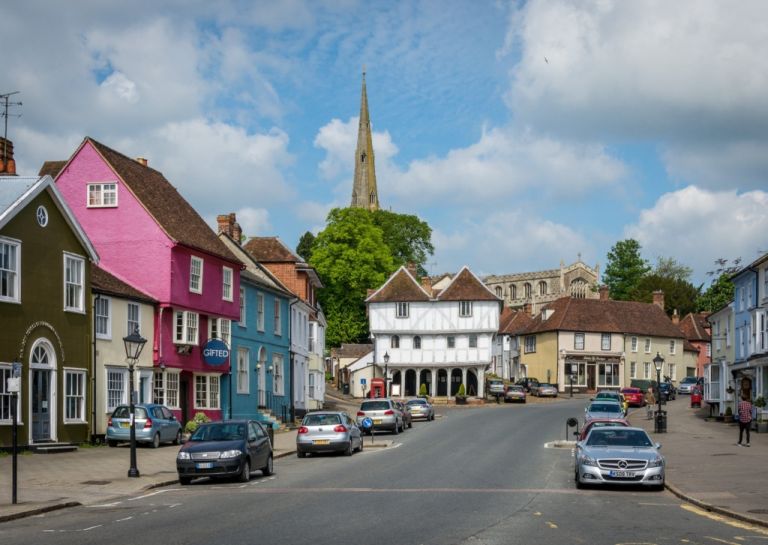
[{"x": 475, "y": 475}]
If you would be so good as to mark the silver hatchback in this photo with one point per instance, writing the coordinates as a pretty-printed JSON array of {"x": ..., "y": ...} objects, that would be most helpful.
[
  {"x": 384, "y": 413},
  {"x": 328, "y": 431},
  {"x": 421, "y": 408}
]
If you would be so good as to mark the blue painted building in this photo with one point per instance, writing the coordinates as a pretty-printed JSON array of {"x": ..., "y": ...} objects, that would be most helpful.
[{"x": 258, "y": 385}]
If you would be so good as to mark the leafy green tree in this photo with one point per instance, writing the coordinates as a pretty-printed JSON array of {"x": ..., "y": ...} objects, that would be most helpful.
[
  {"x": 304, "y": 248},
  {"x": 668, "y": 267},
  {"x": 409, "y": 238},
  {"x": 350, "y": 257},
  {"x": 624, "y": 269},
  {"x": 721, "y": 290},
  {"x": 679, "y": 294}
]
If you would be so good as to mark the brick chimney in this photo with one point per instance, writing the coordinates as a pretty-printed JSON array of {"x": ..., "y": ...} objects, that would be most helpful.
[
  {"x": 528, "y": 309},
  {"x": 7, "y": 163},
  {"x": 411, "y": 266},
  {"x": 658, "y": 299},
  {"x": 426, "y": 283},
  {"x": 605, "y": 293},
  {"x": 237, "y": 232},
  {"x": 675, "y": 317},
  {"x": 142, "y": 161},
  {"x": 226, "y": 223}
]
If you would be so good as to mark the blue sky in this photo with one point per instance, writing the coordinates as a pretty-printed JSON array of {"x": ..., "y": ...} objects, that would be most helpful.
[{"x": 525, "y": 133}]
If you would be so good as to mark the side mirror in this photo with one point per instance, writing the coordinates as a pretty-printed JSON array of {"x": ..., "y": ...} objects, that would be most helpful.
[
  {"x": 658, "y": 446},
  {"x": 591, "y": 398}
]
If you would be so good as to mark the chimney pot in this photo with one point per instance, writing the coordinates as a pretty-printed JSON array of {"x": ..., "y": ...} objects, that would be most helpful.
[
  {"x": 658, "y": 299},
  {"x": 426, "y": 283},
  {"x": 605, "y": 293},
  {"x": 142, "y": 161}
]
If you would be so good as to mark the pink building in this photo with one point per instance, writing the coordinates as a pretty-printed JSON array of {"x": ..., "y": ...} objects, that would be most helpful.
[
  {"x": 698, "y": 332},
  {"x": 151, "y": 238}
]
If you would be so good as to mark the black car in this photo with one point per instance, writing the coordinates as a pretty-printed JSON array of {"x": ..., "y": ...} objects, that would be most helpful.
[
  {"x": 232, "y": 448},
  {"x": 526, "y": 383},
  {"x": 668, "y": 391}
]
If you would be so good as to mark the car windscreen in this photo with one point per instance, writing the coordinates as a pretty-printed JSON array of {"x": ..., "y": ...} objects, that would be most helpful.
[
  {"x": 374, "y": 406},
  {"x": 605, "y": 408},
  {"x": 125, "y": 412},
  {"x": 515, "y": 388},
  {"x": 612, "y": 437},
  {"x": 219, "y": 432},
  {"x": 688, "y": 380},
  {"x": 321, "y": 420},
  {"x": 545, "y": 385}
]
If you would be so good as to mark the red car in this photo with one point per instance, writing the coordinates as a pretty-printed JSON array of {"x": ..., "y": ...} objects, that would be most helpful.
[
  {"x": 599, "y": 422},
  {"x": 634, "y": 396}
]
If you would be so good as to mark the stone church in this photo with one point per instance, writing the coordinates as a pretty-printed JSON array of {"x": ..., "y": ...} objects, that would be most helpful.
[{"x": 364, "y": 191}]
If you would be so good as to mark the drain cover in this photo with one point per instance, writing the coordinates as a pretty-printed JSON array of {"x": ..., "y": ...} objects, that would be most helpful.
[
  {"x": 758, "y": 511},
  {"x": 96, "y": 482}
]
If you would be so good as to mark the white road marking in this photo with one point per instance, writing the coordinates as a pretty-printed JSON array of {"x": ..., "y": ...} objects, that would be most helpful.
[
  {"x": 91, "y": 528},
  {"x": 151, "y": 494},
  {"x": 108, "y": 504},
  {"x": 123, "y": 520}
]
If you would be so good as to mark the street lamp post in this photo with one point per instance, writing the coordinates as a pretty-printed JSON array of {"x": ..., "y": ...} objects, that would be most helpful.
[
  {"x": 386, "y": 374},
  {"x": 658, "y": 362},
  {"x": 134, "y": 343}
]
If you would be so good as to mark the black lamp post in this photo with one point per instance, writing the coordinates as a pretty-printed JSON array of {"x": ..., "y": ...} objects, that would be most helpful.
[
  {"x": 658, "y": 362},
  {"x": 386, "y": 374},
  {"x": 134, "y": 343}
]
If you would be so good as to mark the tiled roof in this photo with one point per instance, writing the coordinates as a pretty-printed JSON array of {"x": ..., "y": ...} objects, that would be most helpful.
[
  {"x": 605, "y": 316},
  {"x": 465, "y": 286},
  {"x": 401, "y": 287},
  {"x": 52, "y": 168},
  {"x": 166, "y": 205},
  {"x": 105, "y": 282},
  {"x": 270, "y": 250},
  {"x": 694, "y": 327},
  {"x": 350, "y": 350},
  {"x": 514, "y": 322}
]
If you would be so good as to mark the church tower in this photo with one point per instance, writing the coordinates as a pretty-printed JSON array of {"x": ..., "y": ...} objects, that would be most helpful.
[{"x": 364, "y": 191}]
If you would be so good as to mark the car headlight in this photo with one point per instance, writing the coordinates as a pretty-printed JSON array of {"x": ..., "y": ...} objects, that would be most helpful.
[
  {"x": 230, "y": 454},
  {"x": 587, "y": 460},
  {"x": 656, "y": 462},
  {"x": 183, "y": 455}
]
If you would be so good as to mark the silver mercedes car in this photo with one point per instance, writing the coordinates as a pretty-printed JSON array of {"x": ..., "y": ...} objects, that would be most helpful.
[{"x": 619, "y": 456}]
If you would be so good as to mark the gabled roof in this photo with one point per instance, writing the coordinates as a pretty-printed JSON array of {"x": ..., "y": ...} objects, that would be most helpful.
[
  {"x": 52, "y": 168},
  {"x": 16, "y": 192},
  {"x": 352, "y": 350},
  {"x": 465, "y": 286},
  {"x": 694, "y": 327},
  {"x": 270, "y": 250},
  {"x": 400, "y": 287},
  {"x": 514, "y": 322},
  {"x": 604, "y": 316},
  {"x": 108, "y": 284},
  {"x": 163, "y": 202},
  {"x": 254, "y": 271}
]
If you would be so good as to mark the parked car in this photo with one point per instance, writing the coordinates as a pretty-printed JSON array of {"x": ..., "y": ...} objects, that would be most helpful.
[
  {"x": 545, "y": 389},
  {"x": 602, "y": 409},
  {"x": 618, "y": 455},
  {"x": 514, "y": 392},
  {"x": 686, "y": 384},
  {"x": 155, "y": 424},
  {"x": 634, "y": 396},
  {"x": 421, "y": 408},
  {"x": 231, "y": 448},
  {"x": 384, "y": 414},
  {"x": 612, "y": 395},
  {"x": 495, "y": 388},
  {"x": 600, "y": 423},
  {"x": 668, "y": 391},
  {"x": 407, "y": 416},
  {"x": 328, "y": 431},
  {"x": 526, "y": 383}
]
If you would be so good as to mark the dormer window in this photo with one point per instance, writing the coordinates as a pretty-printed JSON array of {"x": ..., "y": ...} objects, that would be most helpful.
[
  {"x": 102, "y": 195},
  {"x": 402, "y": 310}
]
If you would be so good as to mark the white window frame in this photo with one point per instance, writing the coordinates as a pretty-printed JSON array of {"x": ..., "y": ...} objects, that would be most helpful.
[
  {"x": 190, "y": 324},
  {"x": 12, "y": 273},
  {"x": 278, "y": 318},
  {"x": 646, "y": 369},
  {"x": 260, "y": 312},
  {"x": 634, "y": 344},
  {"x": 672, "y": 347},
  {"x": 672, "y": 370},
  {"x": 579, "y": 341},
  {"x": 647, "y": 346},
  {"x": 603, "y": 338},
  {"x": 79, "y": 396},
  {"x": 102, "y": 191},
  {"x": 278, "y": 379},
  {"x": 401, "y": 310},
  {"x": 132, "y": 325},
  {"x": 243, "y": 308},
  {"x": 465, "y": 309},
  {"x": 122, "y": 392},
  {"x": 227, "y": 279},
  {"x": 77, "y": 284},
  {"x": 220, "y": 328},
  {"x": 99, "y": 317},
  {"x": 6, "y": 371},
  {"x": 196, "y": 276},
  {"x": 165, "y": 391},
  {"x": 212, "y": 392},
  {"x": 243, "y": 370},
  {"x": 530, "y": 344},
  {"x": 633, "y": 369}
]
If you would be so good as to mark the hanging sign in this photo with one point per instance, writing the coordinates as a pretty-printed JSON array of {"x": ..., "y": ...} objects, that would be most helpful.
[{"x": 215, "y": 352}]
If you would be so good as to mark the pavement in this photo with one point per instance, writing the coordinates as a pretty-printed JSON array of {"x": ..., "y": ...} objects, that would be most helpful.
[{"x": 704, "y": 467}]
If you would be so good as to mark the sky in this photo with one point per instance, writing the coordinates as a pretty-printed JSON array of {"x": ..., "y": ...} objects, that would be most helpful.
[{"x": 524, "y": 133}]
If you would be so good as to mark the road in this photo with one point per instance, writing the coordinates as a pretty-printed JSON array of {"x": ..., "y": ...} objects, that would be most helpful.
[{"x": 475, "y": 475}]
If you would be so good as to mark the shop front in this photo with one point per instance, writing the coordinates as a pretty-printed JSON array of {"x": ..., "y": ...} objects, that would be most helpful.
[{"x": 588, "y": 373}]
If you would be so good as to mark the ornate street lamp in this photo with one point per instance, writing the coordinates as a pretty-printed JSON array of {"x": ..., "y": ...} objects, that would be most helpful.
[
  {"x": 658, "y": 362},
  {"x": 134, "y": 344},
  {"x": 386, "y": 373}
]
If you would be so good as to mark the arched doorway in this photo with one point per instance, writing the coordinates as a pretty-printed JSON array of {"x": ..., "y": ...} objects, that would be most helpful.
[
  {"x": 442, "y": 383},
  {"x": 396, "y": 387},
  {"x": 472, "y": 383},
  {"x": 455, "y": 381},
  {"x": 425, "y": 377},
  {"x": 42, "y": 364},
  {"x": 410, "y": 383}
]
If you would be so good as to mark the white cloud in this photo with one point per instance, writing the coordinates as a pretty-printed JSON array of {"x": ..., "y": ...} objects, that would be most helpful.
[
  {"x": 119, "y": 85},
  {"x": 254, "y": 221},
  {"x": 697, "y": 226},
  {"x": 742, "y": 164}
]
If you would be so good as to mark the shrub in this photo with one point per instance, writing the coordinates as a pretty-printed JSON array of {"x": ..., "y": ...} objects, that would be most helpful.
[
  {"x": 198, "y": 419},
  {"x": 728, "y": 411},
  {"x": 462, "y": 391},
  {"x": 760, "y": 402},
  {"x": 423, "y": 390}
]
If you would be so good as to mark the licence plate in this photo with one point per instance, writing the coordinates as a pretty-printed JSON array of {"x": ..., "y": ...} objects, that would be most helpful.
[
  {"x": 125, "y": 424},
  {"x": 377, "y": 421},
  {"x": 622, "y": 474},
  {"x": 204, "y": 465},
  {"x": 321, "y": 442}
]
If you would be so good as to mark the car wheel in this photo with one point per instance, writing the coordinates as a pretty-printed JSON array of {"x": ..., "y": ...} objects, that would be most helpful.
[
  {"x": 397, "y": 429},
  {"x": 410, "y": 423},
  {"x": 245, "y": 472},
  {"x": 268, "y": 469},
  {"x": 300, "y": 454},
  {"x": 348, "y": 450},
  {"x": 111, "y": 442},
  {"x": 184, "y": 481},
  {"x": 155, "y": 441},
  {"x": 361, "y": 444},
  {"x": 177, "y": 439}
]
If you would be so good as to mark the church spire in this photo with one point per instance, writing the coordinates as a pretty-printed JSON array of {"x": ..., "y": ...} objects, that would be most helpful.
[{"x": 365, "y": 194}]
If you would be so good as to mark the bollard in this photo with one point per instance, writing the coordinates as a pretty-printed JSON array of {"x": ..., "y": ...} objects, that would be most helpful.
[{"x": 570, "y": 423}]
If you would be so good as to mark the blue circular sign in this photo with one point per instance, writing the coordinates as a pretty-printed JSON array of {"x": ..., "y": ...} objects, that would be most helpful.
[
  {"x": 215, "y": 352},
  {"x": 366, "y": 423}
]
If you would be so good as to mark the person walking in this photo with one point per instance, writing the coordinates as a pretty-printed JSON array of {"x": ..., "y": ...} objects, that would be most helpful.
[
  {"x": 650, "y": 401},
  {"x": 745, "y": 418}
]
